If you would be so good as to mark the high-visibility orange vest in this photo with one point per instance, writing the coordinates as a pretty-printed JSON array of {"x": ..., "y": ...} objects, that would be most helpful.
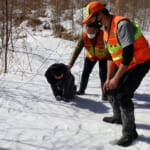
[
  {"x": 141, "y": 46},
  {"x": 98, "y": 52}
]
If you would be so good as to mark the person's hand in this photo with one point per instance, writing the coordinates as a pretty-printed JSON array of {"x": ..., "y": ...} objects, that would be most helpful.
[
  {"x": 110, "y": 84},
  {"x": 106, "y": 85},
  {"x": 113, "y": 84}
]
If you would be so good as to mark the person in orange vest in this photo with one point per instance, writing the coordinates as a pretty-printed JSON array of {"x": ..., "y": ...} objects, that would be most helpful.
[
  {"x": 92, "y": 40},
  {"x": 129, "y": 52}
]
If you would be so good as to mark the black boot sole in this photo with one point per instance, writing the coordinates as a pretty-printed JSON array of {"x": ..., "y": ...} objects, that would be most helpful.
[
  {"x": 127, "y": 141},
  {"x": 112, "y": 120}
]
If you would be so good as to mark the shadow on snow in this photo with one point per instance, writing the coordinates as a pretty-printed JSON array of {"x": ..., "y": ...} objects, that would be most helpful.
[
  {"x": 142, "y": 97},
  {"x": 90, "y": 104},
  {"x": 4, "y": 148}
]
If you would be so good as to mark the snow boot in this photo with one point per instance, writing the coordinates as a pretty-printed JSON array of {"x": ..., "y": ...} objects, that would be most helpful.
[
  {"x": 112, "y": 119},
  {"x": 104, "y": 97},
  {"x": 80, "y": 92},
  {"x": 83, "y": 85},
  {"x": 116, "y": 118},
  {"x": 66, "y": 99},
  {"x": 129, "y": 128},
  {"x": 126, "y": 140}
]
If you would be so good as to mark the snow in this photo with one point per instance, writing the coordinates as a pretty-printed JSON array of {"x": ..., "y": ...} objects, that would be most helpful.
[{"x": 32, "y": 119}]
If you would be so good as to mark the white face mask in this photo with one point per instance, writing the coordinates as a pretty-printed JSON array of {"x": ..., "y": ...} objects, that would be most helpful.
[{"x": 91, "y": 36}]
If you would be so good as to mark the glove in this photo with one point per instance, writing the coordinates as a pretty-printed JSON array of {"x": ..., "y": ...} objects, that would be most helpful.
[{"x": 58, "y": 98}]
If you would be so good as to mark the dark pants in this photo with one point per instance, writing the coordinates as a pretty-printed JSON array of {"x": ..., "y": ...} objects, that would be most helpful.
[
  {"x": 129, "y": 83},
  {"x": 121, "y": 98},
  {"x": 88, "y": 67}
]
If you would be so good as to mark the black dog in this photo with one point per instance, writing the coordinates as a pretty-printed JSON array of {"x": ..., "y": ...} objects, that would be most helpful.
[{"x": 62, "y": 81}]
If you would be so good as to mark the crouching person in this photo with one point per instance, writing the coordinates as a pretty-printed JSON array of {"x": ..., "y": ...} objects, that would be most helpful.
[{"x": 62, "y": 82}]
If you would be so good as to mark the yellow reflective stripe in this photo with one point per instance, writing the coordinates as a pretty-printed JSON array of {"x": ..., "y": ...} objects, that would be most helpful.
[
  {"x": 90, "y": 51},
  {"x": 138, "y": 32},
  {"x": 97, "y": 52},
  {"x": 102, "y": 50},
  {"x": 120, "y": 57},
  {"x": 117, "y": 57},
  {"x": 101, "y": 53},
  {"x": 113, "y": 48},
  {"x": 87, "y": 12}
]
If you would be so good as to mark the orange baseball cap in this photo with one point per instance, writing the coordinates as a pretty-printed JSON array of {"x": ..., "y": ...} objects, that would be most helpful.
[{"x": 92, "y": 8}]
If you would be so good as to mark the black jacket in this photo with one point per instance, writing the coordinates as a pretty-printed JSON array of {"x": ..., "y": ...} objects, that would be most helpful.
[{"x": 58, "y": 85}]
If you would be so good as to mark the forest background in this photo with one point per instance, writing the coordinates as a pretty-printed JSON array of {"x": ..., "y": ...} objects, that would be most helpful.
[{"x": 14, "y": 12}]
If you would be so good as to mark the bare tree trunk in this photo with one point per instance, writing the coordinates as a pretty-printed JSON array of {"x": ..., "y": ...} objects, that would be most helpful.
[
  {"x": 72, "y": 7},
  {"x": 6, "y": 31},
  {"x": 133, "y": 10},
  {"x": 7, "y": 36},
  {"x": 117, "y": 6}
]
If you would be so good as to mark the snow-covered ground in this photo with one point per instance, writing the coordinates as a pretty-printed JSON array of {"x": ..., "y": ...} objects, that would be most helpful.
[{"x": 31, "y": 119}]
